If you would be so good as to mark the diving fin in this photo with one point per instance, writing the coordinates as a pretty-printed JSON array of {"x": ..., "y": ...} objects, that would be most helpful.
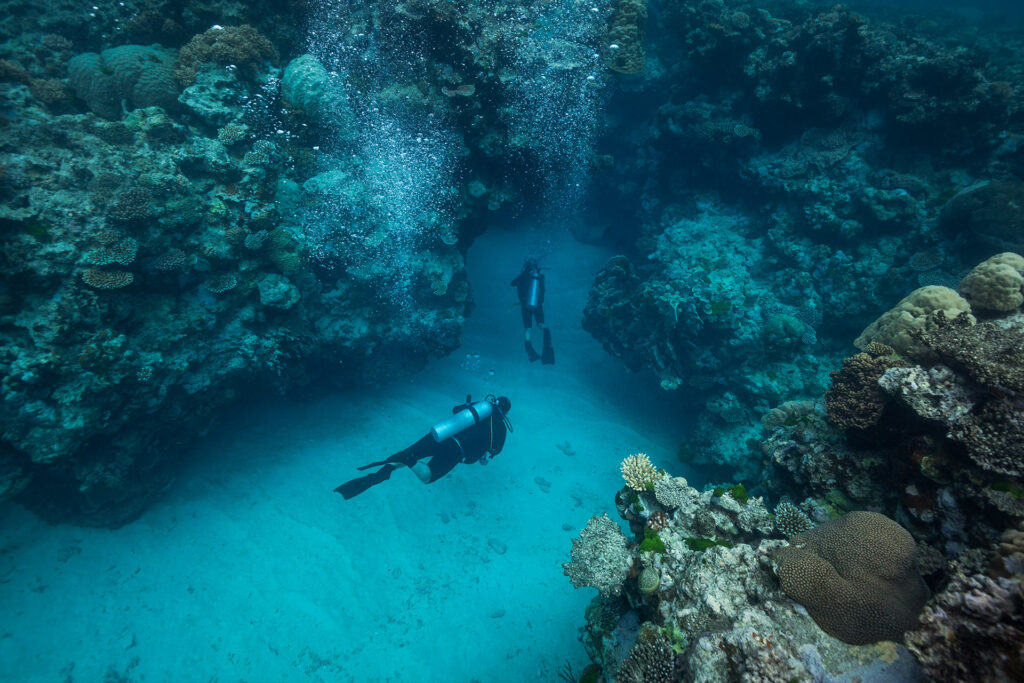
[
  {"x": 547, "y": 354},
  {"x": 531, "y": 352},
  {"x": 403, "y": 457},
  {"x": 351, "y": 489}
]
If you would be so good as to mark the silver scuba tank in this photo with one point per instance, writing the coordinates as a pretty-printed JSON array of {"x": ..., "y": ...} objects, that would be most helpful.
[
  {"x": 533, "y": 293},
  {"x": 465, "y": 418}
]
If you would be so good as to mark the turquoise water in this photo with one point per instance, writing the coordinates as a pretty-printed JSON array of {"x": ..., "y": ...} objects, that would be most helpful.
[
  {"x": 247, "y": 248},
  {"x": 250, "y": 568}
]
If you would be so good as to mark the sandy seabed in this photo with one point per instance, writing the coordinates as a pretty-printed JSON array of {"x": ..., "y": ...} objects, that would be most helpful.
[{"x": 251, "y": 569}]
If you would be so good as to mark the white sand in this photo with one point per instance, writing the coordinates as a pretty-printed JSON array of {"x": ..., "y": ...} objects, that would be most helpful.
[{"x": 252, "y": 569}]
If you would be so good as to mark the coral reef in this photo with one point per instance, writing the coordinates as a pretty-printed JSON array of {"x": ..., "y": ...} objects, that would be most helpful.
[
  {"x": 855, "y": 401},
  {"x": 639, "y": 472},
  {"x": 973, "y": 630},
  {"x": 155, "y": 268},
  {"x": 242, "y": 47},
  {"x": 599, "y": 557},
  {"x": 856, "y": 575},
  {"x": 790, "y": 189},
  {"x": 706, "y": 605}
]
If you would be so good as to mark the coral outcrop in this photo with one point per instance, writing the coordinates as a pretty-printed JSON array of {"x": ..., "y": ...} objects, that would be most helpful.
[{"x": 856, "y": 575}]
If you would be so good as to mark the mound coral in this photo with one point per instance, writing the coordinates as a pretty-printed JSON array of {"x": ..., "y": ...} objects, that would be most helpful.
[
  {"x": 857, "y": 576},
  {"x": 138, "y": 75},
  {"x": 996, "y": 284},
  {"x": 599, "y": 557},
  {"x": 915, "y": 313}
]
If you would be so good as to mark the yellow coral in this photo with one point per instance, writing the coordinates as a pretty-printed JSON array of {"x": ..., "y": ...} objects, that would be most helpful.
[
  {"x": 996, "y": 284},
  {"x": 914, "y": 313},
  {"x": 639, "y": 472}
]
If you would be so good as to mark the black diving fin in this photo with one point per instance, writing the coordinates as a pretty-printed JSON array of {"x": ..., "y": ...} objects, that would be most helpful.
[
  {"x": 547, "y": 354},
  {"x": 351, "y": 489}
]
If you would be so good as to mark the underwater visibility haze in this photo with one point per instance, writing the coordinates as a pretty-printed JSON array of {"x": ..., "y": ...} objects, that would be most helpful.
[{"x": 556, "y": 340}]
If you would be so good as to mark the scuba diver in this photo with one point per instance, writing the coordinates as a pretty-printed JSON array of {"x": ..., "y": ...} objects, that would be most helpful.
[
  {"x": 475, "y": 432},
  {"x": 529, "y": 286}
]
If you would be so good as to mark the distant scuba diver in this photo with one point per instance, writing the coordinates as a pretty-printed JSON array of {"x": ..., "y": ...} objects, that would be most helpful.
[
  {"x": 529, "y": 285},
  {"x": 475, "y": 431}
]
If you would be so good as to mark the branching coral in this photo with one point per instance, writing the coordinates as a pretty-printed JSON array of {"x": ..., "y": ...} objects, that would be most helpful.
[
  {"x": 855, "y": 400},
  {"x": 973, "y": 630},
  {"x": 639, "y": 472},
  {"x": 240, "y": 46}
]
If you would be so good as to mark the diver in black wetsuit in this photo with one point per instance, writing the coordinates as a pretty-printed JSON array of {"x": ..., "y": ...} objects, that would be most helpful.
[
  {"x": 475, "y": 432},
  {"x": 529, "y": 286}
]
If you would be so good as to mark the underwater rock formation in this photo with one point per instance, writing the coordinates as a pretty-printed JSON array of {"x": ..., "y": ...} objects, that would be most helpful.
[
  {"x": 788, "y": 190},
  {"x": 702, "y": 602},
  {"x": 910, "y": 483},
  {"x": 154, "y": 271},
  {"x": 943, "y": 442}
]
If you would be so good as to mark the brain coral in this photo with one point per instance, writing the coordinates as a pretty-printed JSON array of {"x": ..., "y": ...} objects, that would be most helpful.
[
  {"x": 857, "y": 576},
  {"x": 139, "y": 75},
  {"x": 996, "y": 284},
  {"x": 915, "y": 313}
]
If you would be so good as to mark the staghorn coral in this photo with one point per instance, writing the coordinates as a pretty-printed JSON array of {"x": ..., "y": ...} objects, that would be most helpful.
[
  {"x": 240, "y": 46},
  {"x": 639, "y": 472},
  {"x": 856, "y": 575},
  {"x": 599, "y": 557},
  {"x": 855, "y": 401}
]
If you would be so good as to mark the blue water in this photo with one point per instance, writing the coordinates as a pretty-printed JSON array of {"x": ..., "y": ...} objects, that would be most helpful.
[
  {"x": 251, "y": 568},
  {"x": 262, "y": 204}
]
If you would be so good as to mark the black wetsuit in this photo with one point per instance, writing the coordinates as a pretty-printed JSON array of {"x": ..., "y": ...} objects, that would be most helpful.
[
  {"x": 522, "y": 285},
  {"x": 469, "y": 446}
]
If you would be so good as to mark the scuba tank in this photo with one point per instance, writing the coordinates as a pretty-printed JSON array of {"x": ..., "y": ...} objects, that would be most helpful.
[
  {"x": 533, "y": 293},
  {"x": 465, "y": 418}
]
